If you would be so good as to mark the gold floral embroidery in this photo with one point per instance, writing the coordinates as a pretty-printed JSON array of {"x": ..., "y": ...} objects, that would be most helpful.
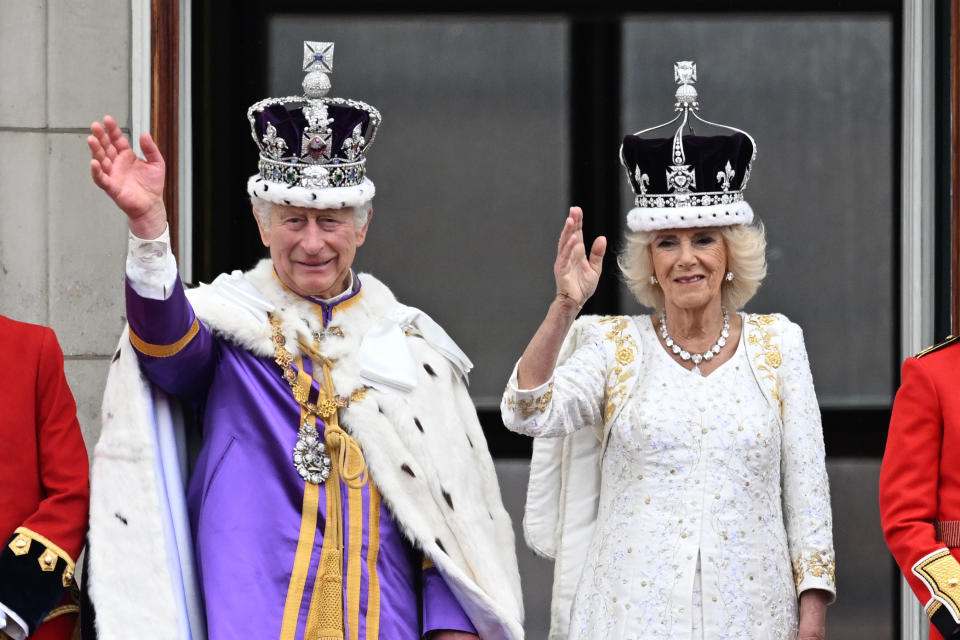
[
  {"x": 625, "y": 354},
  {"x": 760, "y": 335},
  {"x": 819, "y": 565},
  {"x": 528, "y": 408}
]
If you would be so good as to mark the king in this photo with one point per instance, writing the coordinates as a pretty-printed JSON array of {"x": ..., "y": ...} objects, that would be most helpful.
[{"x": 343, "y": 489}]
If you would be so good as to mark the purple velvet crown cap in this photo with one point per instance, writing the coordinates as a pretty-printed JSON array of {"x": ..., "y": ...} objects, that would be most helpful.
[
  {"x": 291, "y": 123},
  {"x": 707, "y": 155}
]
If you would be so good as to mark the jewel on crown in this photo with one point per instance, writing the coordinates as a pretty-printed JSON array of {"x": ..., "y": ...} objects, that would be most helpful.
[{"x": 313, "y": 141}]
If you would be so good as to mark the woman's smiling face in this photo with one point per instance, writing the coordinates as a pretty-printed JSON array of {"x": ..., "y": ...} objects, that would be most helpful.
[{"x": 690, "y": 265}]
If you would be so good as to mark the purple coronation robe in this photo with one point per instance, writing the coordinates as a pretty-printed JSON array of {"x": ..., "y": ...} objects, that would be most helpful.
[{"x": 257, "y": 540}]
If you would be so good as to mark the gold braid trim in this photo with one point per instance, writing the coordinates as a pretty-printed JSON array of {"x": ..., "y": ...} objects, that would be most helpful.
[
  {"x": 941, "y": 573},
  {"x": 164, "y": 350},
  {"x": 20, "y": 545},
  {"x": 62, "y": 611}
]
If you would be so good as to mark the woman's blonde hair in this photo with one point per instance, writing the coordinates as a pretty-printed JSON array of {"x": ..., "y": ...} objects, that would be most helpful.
[{"x": 746, "y": 258}]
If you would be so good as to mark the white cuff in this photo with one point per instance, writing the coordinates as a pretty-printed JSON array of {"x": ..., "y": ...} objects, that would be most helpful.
[
  {"x": 525, "y": 403},
  {"x": 513, "y": 385},
  {"x": 151, "y": 267},
  {"x": 11, "y": 624}
]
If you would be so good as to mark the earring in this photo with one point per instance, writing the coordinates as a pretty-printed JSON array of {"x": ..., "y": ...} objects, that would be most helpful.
[
  {"x": 653, "y": 280},
  {"x": 729, "y": 276}
]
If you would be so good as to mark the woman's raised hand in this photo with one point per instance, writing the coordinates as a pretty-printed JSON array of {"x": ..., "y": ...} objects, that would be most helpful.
[
  {"x": 577, "y": 277},
  {"x": 577, "y": 274},
  {"x": 134, "y": 184}
]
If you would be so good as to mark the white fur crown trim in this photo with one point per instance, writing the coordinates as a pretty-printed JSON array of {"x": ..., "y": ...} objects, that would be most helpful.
[
  {"x": 715, "y": 215},
  {"x": 326, "y": 198}
]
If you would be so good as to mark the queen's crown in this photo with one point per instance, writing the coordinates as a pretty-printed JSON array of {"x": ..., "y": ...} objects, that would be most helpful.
[
  {"x": 688, "y": 180},
  {"x": 313, "y": 141}
]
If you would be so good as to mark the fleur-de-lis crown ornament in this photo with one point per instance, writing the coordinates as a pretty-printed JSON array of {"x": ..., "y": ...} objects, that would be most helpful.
[
  {"x": 313, "y": 148},
  {"x": 687, "y": 180}
]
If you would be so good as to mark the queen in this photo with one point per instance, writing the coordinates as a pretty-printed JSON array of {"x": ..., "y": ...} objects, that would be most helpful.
[{"x": 678, "y": 475}]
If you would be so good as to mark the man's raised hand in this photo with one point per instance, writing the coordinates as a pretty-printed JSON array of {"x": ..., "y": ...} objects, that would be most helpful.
[{"x": 134, "y": 184}]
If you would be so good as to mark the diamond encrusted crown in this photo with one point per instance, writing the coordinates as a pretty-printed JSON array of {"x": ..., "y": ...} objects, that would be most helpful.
[
  {"x": 313, "y": 141},
  {"x": 688, "y": 180}
]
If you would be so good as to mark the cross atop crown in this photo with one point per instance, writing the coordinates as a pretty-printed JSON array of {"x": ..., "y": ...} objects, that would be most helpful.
[{"x": 318, "y": 56}]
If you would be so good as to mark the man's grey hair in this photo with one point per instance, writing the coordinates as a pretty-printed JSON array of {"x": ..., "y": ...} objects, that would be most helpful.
[{"x": 262, "y": 209}]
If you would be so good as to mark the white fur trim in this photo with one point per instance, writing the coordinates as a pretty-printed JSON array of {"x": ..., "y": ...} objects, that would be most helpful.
[
  {"x": 329, "y": 198},
  {"x": 127, "y": 549},
  {"x": 714, "y": 215}
]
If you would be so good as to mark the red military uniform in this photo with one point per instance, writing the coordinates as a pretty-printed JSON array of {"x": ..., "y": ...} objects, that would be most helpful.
[
  {"x": 44, "y": 484},
  {"x": 920, "y": 483}
]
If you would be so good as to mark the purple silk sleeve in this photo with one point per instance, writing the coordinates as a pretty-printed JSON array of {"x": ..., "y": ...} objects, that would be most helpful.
[
  {"x": 188, "y": 371},
  {"x": 441, "y": 611}
]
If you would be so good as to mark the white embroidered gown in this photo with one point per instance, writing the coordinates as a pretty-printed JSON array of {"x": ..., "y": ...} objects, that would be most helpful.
[{"x": 692, "y": 539}]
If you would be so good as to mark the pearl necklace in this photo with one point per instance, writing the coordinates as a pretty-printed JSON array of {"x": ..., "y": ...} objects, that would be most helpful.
[{"x": 697, "y": 358}]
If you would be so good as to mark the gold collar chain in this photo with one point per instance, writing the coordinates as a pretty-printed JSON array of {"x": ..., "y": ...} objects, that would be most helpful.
[{"x": 327, "y": 406}]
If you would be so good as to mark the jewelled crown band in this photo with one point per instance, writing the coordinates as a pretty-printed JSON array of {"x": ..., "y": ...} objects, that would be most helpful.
[
  {"x": 687, "y": 180},
  {"x": 312, "y": 147}
]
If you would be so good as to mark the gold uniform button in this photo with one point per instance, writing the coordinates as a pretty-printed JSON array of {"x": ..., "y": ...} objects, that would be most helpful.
[
  {"x": 21, "y": 543},
  {"x": 48, "y": 559}
]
